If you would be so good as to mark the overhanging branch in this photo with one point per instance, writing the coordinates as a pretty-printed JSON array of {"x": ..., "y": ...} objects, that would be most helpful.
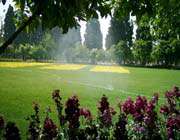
[{"x": 15, "y": 34}]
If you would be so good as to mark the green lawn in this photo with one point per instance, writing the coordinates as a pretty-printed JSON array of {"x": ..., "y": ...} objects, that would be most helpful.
[{"x": 20, "y": 86}]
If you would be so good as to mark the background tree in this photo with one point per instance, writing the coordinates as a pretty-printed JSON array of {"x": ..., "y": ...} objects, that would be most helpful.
[
  {"x": 93, "y": 55},
  {"x": 120, "y": 29},
  {"x": 93, "y": 35},
  {"x": 166, "y": 52},
  {"x": 142, "y": 51},
  {"x": 9, "y": 25},
  {"x": 166, "y": 23},
  {"x": 143, "y": 30},
  {"x": 175, "y": 44},
  {"x": 69, "y": 39},
  {"x": 9, "y": 29},
  {"x": 35, "y": 36},
  {"x": 122, "y": 53}
]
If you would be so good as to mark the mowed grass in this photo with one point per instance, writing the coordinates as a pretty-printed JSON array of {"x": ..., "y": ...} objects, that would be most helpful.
[{"x": 23, "y": 83}]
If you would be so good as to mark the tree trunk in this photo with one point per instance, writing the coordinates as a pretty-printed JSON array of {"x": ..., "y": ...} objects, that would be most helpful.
[{"x": 15, "y": 34}]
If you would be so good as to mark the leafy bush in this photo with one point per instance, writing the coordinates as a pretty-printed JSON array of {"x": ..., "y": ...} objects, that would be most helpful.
[{"x": 138, "y": 120}]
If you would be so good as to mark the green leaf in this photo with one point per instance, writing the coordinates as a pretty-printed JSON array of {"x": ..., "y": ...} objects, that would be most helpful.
[{"x": 22, "y": 5}]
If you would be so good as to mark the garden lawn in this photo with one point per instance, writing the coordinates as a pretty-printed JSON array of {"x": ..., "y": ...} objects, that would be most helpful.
[{"x": 23, "y": 83}]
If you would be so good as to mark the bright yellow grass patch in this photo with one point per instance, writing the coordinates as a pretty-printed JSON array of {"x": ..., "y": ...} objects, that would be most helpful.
[
  {"x": 20, "y": 64},
  {"x": 116, "y": 69},
  {"x": 64, "y": 67}
]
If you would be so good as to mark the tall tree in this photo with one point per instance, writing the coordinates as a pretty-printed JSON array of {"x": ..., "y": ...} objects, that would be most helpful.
[
  {"x": 9, "y": 25},
  {"x": 142, "y": 47},
  {"x": 36, "y": 36},
  {"x": 119, "y": 30},
  {"x": 142, "y": 51},
  {"x": 93, "y": 35},
  {"x": 143, "y": 30},
  {"x": 122, "y": 53}
]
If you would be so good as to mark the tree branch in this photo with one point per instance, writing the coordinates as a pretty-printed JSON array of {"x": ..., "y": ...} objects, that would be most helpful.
[{"x": 16, "y": 33}]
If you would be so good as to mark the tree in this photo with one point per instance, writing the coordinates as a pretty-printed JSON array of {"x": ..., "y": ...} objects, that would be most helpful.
[
  {"x": 93, "y": 55},
  {"x": 24, "y": 51},
  {"x": 175, "y": 44},
  {"x": 100, "y": 55},
  {"x": 119, "y": 30},
  {"x": 69, "y": 39},
  {"x": 54, "y": 13},
  {"x": 142, "y": 51},
  {"x": 9, "y": 25},
  {"x": 143, "y": 30},
  {"x": 122, "y": 52},
  {"x": 167, "y": 52},
  {"x": 23, "y": 37},
  {"x": 82, "y": 53},
  {"x": 36, "y": 36},
  {"x": 166, "y": 23},
  {"x": 93, "y": 35}
]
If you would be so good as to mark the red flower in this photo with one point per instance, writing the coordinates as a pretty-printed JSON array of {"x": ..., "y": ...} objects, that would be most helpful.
[
  {"x": 128, "y": 106},
  {"x": 86, "y": 113},
  {"x": 107, "y": 117},
  {"x": 173, "y": 123},
  {"x": 103, "y": 104},
  {"x": 72, "y": 112},
  {"x": 164, "y": 110},
  {"x": 141, "y": 103},
  {"x": 50, "y": 129}
]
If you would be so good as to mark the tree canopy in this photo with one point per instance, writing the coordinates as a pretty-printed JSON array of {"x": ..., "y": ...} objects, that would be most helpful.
[
  {"x": 120, "y": 29},
  {"x": 93, "y": 35},
  {"x": 52, "y": 13}
]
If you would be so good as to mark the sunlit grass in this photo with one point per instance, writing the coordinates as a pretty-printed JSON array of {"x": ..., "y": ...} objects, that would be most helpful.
[
  {"x": 20, "y": 64},
  {"x": 64, "y": 67},
  {"x": 115, "y": 69}
]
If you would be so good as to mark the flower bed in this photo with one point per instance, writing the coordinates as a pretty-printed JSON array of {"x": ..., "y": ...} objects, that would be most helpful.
[{"x": 137, "y": 120}]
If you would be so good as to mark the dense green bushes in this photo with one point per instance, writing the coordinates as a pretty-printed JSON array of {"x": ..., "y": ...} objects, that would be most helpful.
[
  {"x": 163, "y": 53},
  {"x": 139, "y": 120}
]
